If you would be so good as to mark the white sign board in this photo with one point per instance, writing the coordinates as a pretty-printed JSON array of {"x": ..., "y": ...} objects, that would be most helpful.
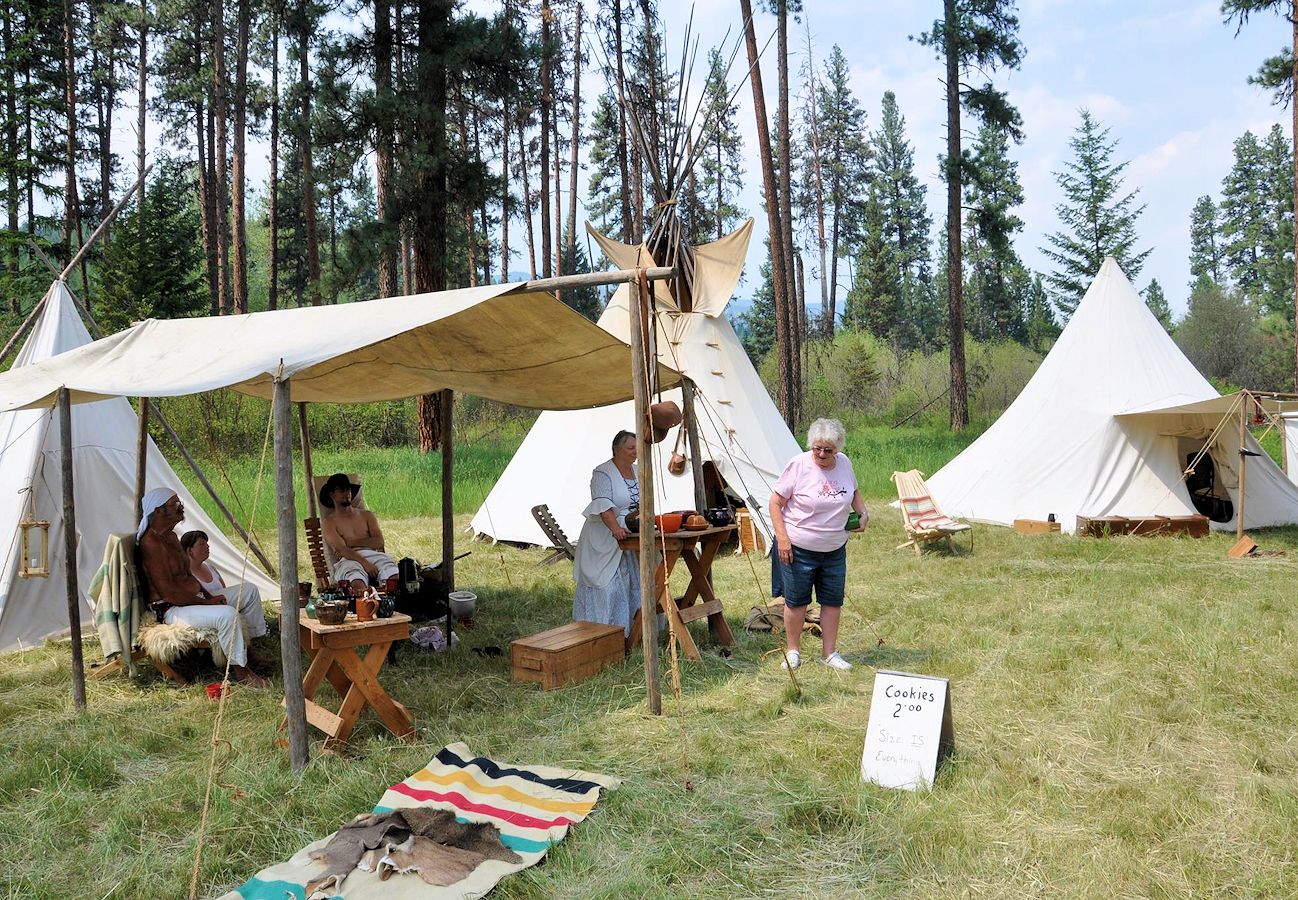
[{"x": 910, "y": 722}]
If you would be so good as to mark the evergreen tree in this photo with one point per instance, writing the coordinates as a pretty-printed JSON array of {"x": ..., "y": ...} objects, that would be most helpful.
[
  {"x": 759, "y": 319},
  {"x": 991, "y": 193},
  {"x": 906, "y": 222},
  {"x": 1277, "y": 269},
  {"x": 874, "y": 303},
  {"x": 1157, "y": 304},
  {"x": 1039, "y": 324},
  {"x": 1098, "y": 219},
  {"x": 1205, "y": 241},
  {"x": 720, "y": 160},
  {"x": 1218, "y": 332},
  {"x": 585, "y": 300},
  {"x": 153, "y": 268},
  {"x": 972, "y": 35},
  {"x": 604, "y": 189}
]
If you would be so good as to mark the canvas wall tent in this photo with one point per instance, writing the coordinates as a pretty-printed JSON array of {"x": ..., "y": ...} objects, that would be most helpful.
[
  {"x": 1105, "y": 427},
  {"x": 104, "y": 458},
  {"x": 740, "y": 429}
]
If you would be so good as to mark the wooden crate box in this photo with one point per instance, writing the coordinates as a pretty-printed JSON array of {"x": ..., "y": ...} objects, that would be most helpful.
[{"x": 568, "y": 653}]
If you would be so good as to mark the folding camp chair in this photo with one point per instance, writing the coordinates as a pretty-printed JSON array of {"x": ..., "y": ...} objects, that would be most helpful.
[
  {"x": 322, "y": 561},
  {"x": 923, "y": 520},
  {"x": 561, "y": 547}
]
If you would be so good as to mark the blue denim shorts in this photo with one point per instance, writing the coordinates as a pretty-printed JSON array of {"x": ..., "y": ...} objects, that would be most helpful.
[{"x": 826, "y": 571}]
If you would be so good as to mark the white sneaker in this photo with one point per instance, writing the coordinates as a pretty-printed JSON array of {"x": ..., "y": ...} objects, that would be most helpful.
[
  {"x": 792, "y": 658},
  {"x": 836, "y": 661}
]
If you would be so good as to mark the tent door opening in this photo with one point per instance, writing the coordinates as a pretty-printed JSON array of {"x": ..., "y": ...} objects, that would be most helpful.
[{"x": 1207, "y": 493}]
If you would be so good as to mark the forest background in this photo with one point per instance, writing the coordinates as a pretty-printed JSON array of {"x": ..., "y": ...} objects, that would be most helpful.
[{"x": 311, "y": 152}]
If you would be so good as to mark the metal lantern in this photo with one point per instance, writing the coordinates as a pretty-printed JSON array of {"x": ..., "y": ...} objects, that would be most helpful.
[{"x": 36, "y": 548}]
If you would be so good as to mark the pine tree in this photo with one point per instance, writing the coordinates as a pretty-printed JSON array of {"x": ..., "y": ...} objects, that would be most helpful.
[
  {"x": 906, "y": 220},
  {"x": 874, "y": 303},
  {"x": 721, "y": 162},
  {"x": 1205, "y": 241},
  {"x": 604, "y": 189},
  {"x": 1039, "y": 324},
  {"x": 991, "y": 193},
  {"x": 1098, "y": 219},
  {"x": 1157, "y": 303},
  {"x": 972, "y": 35},
  {"x": 1257, "y": 222},
  {"x": 759, "y": 319}
]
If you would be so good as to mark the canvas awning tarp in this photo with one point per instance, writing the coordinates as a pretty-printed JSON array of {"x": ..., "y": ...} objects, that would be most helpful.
[
  {"x": 1213, "y": 406},
  {"x": 499, "y": 342}
]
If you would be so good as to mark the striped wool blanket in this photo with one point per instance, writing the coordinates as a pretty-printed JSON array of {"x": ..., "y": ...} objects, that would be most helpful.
[{"x": 532, "y": 806}]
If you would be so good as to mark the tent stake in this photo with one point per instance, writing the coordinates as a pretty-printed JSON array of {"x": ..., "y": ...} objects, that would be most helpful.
[
  {"x": 70, "y": 551},
  {"x": 290, "y": 645},
  {"x": 648, "y": 563}
]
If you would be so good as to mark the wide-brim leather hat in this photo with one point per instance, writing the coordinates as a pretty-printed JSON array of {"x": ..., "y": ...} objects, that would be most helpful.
[
  {"x": 663, "y": 417},
  {"x": 336, "y": 481}
]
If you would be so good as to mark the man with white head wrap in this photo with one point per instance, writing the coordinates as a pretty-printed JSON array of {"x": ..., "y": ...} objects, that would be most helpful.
[{"x": 184, "y": 600}]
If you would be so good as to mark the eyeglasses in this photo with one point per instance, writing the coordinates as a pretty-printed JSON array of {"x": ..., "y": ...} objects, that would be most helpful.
[{"x": 824, "y": 451}]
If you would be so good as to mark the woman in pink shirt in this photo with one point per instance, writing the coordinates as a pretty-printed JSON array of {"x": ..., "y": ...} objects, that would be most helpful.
[{"x": 809, "y": 512}]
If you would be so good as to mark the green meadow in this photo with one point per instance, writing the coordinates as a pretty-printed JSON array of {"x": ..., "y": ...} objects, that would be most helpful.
[{"x": 1124, "y": 710}]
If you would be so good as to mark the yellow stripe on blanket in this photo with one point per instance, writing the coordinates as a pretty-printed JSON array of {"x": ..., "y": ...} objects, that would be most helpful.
[{"x": 464, "y": 779}]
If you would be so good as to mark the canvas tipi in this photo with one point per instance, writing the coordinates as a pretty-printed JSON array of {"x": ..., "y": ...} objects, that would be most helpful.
[
  {"x": 104, "y": 456},
  {"x": 1107, "y": 426},
  {"x": 740, "y": 430}
]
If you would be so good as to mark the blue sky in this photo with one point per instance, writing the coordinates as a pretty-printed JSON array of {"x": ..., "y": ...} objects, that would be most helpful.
[{"x": 1169, "y": 79}]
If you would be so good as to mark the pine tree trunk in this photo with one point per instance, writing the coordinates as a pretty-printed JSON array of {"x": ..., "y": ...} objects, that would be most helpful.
[
  {"x": 383, "y": 149},
  {"x": 12, "y": 151},
  {"x": 141, "y": 109},
  {"x": 795, "y": 324},
  {"x": 238, "y": 174},
  {"x": 272, "y": 201},
  {"x": 828, "y": 294},
  {"x": 485, "y": 240},
  {"x": 557, "y": 235},
  {"x": 470, "y": 229},
  {"x": 527, "y": 200},
  {"x": 779, "y": 284},
  {"x": 70, "y": 146},
  {"x": 571, "y": 238},
  {"x": 205, "y": 202},
  {"x": 1293, "y": 109},
  {"x": 219, "y": 153},
  {"x": 308, "y": 171},
  {"x": 959, "y": 396},
  {"x": 546, "y": 100},
  {"x": 505, "y": 135},
  {"x": 622, "y": 164}
]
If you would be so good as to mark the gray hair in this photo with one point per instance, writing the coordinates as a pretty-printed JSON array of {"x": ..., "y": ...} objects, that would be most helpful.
[{"x": 827, "y": 431}]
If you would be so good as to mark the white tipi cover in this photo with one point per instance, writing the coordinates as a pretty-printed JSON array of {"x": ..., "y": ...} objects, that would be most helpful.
[
  {"x": 740, "y": 430},
  {"x": 103, "y": 474},
  {"x": 1097, "y": 431}
]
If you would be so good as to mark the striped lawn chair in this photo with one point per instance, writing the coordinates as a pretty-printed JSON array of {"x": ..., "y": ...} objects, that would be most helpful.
[{"x": 923, "y": 520}]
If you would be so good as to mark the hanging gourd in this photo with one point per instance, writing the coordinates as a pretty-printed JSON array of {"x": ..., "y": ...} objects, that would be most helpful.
[{"x": 35, "y": 548}]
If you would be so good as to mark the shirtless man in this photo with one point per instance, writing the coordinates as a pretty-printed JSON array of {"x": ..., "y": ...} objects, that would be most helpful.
[
  {"x": 353, "y": 536},
  {"x": 185, "y": 600}
]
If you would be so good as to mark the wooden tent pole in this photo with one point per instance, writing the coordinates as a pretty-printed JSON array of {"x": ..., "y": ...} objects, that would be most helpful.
[
  {"x": 308, "y": 473},
  {"x": 1246, "y": 399},
  {"x": 290, "y": 645},
  {"x": 692, "y": 439},
  {"x": 70, "y": 551},
  {"x": 25, "y": 327},
  {"x": 141, "y": 458},
  {"x": 644, "y": 471},
  {"x": 595, "y": 279},
  {"x": 112, "y": 213},
  {"x": 446, "y": 424}
]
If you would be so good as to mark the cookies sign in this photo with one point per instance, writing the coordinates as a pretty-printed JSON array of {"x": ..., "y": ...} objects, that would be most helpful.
[{"x": 910, "y": 729}]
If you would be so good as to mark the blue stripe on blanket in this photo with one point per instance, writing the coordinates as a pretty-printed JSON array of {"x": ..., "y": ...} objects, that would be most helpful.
[
  {"x": 513, "y": 842},
  {"x": 572, "y": 785},
  {"x": 256, "y": 889}
]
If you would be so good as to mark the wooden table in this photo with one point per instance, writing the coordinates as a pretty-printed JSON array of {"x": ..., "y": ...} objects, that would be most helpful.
[
  {"x": 698, "y": 549},
  {"x": 332, "y": 649}
]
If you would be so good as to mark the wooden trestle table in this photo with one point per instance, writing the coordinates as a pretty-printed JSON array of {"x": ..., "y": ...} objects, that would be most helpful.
[
  {"x": 697, "y": 549},
  {"x": 332, "y": 649}
]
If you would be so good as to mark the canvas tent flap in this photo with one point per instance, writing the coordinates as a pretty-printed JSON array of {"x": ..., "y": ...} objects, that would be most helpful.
[
  {"x": 498, "y": 342},
  {"x": 717, "y": 269},
  {"x": 1214, "y": 406}
]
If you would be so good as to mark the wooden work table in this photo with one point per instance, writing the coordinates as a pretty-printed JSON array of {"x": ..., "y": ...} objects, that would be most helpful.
[
  {"x": 332, "y": 649},
  {"x": 698, "y": 549}
]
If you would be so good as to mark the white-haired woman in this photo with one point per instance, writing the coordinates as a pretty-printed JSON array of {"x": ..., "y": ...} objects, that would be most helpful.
[
  {"x": 608, "y": 578},
  {"x": 810, "y": 506}
]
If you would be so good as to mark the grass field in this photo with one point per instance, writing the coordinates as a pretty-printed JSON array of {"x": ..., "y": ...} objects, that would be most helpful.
[{"x": 1125, "y": 713}]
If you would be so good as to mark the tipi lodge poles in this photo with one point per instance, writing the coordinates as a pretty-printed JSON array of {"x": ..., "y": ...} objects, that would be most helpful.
[{"x": 641, "y": 361}]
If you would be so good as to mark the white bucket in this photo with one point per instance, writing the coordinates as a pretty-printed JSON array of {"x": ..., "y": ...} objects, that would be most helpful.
[{"x": 462, "y": 603}]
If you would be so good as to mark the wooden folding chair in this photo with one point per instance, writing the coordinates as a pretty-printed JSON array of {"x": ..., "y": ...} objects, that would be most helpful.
[
  {"x": 561, "y": 547},
  {"x": 322, "y": 561},
  {"x": 920, "y": 514}
]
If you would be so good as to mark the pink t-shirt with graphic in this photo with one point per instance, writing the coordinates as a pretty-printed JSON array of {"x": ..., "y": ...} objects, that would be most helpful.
[{"x": 819, "y": 500}]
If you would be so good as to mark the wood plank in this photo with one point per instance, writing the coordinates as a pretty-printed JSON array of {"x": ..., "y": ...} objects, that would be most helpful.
[
  {"x": 364, "y": 679},
  {"x": 700, "y": 611},
  {"x": 317, "y": 715}
]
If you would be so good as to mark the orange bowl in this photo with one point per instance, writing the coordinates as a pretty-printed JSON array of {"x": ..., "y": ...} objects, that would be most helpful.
[{"x": 668, "y": 523}]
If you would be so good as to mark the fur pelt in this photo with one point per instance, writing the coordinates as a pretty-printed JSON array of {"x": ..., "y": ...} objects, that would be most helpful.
[{"x": 170, "y": 642}]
